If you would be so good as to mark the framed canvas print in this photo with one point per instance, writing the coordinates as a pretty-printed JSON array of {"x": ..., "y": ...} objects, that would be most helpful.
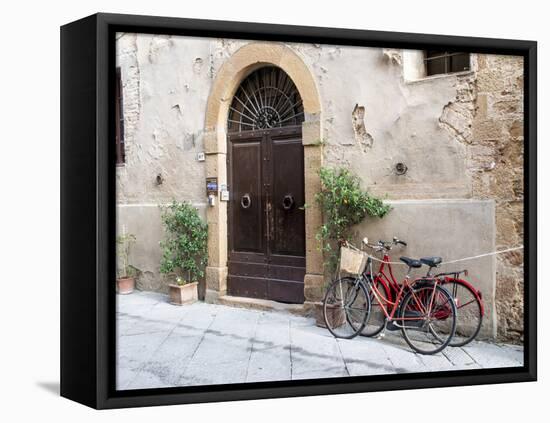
[{"x": 257, "y": 211}]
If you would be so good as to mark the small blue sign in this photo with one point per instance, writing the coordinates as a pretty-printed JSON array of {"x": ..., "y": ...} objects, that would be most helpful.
[{"x": 211, "y": 186}]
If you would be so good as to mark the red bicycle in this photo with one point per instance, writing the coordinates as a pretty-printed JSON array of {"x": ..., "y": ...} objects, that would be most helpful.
[
  {"x": 468, "y": 300},
  {"x": 469, "y": 304},
  {"x": 424, "y": 311},
  {"x": 386, "y": 284}
]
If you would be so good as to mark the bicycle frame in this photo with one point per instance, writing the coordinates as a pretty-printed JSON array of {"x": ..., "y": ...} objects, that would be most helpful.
[
  {"x": 400, "y": 288},
  {"x": 477, "y": 293},
  {"x": 390, "y": 283}
]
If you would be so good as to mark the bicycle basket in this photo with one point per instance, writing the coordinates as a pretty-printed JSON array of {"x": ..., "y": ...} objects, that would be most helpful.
[{"x": 351, "y": 261}]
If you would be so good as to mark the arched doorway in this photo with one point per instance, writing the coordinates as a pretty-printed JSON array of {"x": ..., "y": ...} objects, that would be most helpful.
[
  {"x": 235, "y": 69},
  {"x": 266, "y": 215}
]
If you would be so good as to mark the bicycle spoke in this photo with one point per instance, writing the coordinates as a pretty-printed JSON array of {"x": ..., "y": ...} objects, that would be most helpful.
[
  {"x": 469, "y": 312},
  {"x": 433, "y": 330},
  {"x": 377, "y": 319},
  {"x": 346, "y": 307}
]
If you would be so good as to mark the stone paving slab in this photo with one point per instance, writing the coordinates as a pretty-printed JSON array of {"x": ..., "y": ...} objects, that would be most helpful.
[
  {"x": 162, "y": 345},
  {"x": 270, "y": 355}
]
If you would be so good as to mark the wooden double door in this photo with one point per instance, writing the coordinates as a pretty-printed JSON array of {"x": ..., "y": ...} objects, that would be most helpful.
[{"x": 266, "y": 215}]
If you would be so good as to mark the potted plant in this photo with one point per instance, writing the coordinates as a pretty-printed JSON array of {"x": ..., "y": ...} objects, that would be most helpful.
[
  {"x": 125, "y": 282},
  {"x": 344, "y": 204},
  {"x": 184, "y": 250}
]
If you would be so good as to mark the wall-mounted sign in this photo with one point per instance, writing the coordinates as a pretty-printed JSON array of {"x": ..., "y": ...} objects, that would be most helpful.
[
  {"x": 224, "y": 192},
  {"x": 211, "y": 186}
]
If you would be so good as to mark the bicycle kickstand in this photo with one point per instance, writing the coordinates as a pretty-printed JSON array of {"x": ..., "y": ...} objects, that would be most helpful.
[{"x": 383, "y": 332}]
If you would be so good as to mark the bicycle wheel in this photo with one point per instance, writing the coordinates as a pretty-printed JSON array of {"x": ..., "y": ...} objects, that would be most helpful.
[
  {"x": 346, "y": 307},
  {"x": 377, "y": 319},
  {"x": 422, "y": 329},
  {"x": 469, "y": 312}
]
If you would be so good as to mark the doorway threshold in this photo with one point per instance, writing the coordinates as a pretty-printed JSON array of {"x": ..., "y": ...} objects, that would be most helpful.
[{"x": 264, "y": 305}]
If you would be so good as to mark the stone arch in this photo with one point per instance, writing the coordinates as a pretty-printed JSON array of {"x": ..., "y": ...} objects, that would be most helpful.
[{"x": 244, "y": 61}]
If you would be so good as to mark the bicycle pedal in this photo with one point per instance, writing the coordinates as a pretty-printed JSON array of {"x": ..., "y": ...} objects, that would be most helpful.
[{"x": 381, "y": 335}]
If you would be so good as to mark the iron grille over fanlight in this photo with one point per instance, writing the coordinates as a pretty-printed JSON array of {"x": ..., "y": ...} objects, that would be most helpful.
[{"x": 266, "y": 99}]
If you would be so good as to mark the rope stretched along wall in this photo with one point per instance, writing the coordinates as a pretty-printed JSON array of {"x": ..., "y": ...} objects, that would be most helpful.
[{"x": 450, "y": 261}]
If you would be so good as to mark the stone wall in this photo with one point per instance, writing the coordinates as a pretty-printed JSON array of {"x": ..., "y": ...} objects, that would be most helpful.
[{"x": 497, "y": 147}]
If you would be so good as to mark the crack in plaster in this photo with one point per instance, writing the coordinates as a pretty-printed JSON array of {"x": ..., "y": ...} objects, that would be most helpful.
[
  {"x": 393, "y": 56},
  {"x": 362, "y": 137},
  {"x": 457, "y": 115}
]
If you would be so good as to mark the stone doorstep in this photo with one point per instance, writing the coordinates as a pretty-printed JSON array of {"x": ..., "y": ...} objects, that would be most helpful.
[{"x": 265, "y": 305}]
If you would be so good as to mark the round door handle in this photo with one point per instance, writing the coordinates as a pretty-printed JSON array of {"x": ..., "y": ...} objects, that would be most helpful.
[
  {"x": 288, "y": 202},
  {"x": 246, "y": 201}
]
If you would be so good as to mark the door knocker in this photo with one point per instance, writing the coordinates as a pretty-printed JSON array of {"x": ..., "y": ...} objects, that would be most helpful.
[
  {"x": 288, "y": 202},
  {"x": 245, "y": 201}
]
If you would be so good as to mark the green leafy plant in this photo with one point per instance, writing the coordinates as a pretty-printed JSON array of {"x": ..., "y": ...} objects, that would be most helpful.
[
  {"x": 185, "y": 247},
  {"x": 124, "y": 242},
  {"x": 344, "y": 204}
]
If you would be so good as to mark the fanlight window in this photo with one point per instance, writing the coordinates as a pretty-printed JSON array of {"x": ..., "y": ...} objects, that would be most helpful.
[{"x": 266, "y": 99}]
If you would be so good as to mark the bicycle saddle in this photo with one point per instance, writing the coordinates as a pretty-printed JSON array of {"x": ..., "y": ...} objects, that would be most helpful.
[
  {"x": 431, "y": 261},
  {"x": 411, "y": 262}
]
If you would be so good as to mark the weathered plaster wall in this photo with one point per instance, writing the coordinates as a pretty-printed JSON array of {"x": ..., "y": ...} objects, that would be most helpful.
[
  {"x": 458, "y": 135},
  {"x": 165, "y": 88},
  {"x": 401, "y": 120},
  {"x": 173, "y": 75}
]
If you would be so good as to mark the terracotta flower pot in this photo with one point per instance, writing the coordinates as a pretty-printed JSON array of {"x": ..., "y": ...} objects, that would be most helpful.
[
  {"x": 335, "y": 316},
  {"x": 125, "y": 285},
  {"x": 184, "y": 294}
]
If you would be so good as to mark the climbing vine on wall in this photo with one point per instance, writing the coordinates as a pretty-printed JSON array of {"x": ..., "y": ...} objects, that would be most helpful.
[{"x": 344, "y": 204}]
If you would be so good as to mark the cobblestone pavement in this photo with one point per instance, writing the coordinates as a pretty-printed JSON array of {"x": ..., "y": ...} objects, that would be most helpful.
[{"x": 162, "y": 345}]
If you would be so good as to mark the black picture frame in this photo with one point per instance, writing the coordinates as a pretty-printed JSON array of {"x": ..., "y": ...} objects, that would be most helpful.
[{"x": 88, "y": 210}]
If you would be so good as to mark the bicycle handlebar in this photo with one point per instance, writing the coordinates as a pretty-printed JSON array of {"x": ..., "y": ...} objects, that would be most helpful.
[
  {"x": 384, "y": 245},
  {"x": 389, "y": 244},
  {"x": 398, "y": 241}
]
